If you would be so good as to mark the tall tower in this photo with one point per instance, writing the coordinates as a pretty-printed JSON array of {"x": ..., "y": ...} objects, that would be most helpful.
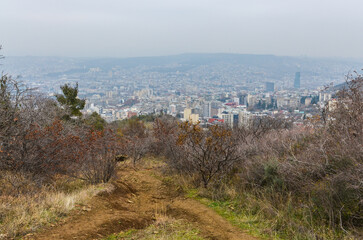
[
  {"x": 297, "y": 80},
  {"x": 269, "y": 86}
]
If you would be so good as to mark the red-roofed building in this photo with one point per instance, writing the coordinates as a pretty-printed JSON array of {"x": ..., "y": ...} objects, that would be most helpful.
[
  {"x": 213, "y": 120},
  {"x": 231, "y": 104},
  {"x": 131, "y": 114}
]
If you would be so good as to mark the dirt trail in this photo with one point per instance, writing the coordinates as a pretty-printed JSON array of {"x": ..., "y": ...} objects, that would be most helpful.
[{"x": 137, "y": 197}]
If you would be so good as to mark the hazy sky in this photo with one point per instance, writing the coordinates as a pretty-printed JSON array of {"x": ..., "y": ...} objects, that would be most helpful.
[{"x": 125, "y": 28}]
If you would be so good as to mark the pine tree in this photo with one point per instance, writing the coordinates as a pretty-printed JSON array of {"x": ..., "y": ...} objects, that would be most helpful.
[{"x": 70, "y": 102}]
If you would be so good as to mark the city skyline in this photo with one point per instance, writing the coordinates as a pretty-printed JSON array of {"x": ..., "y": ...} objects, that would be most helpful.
[{"x": 210, "y": 88}]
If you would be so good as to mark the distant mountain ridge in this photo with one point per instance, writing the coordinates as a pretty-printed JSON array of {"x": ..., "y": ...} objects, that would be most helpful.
[
  {"x": 187, "y": 58},
  {"x": 273, "y": 67}
]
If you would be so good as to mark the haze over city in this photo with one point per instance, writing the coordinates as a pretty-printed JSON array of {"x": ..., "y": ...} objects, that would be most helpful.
[{"x": 112, "y": 28}]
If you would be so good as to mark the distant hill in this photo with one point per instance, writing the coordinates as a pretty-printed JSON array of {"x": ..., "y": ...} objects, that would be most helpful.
[
  {"x": 269, "y": 61},
  {"x": 270, "y": 67},
  {"x": 188, "y": 59}
]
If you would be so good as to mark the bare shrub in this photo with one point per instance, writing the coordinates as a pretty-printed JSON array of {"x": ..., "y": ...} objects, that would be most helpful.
[
  {"x": 26, "y": 129},
  {"x": 165, "y": 131},
  {"x": 165, "y": 135},
  {"x": 211, "y": 153},
  {"x": 341, "y": 147},
  {"x": 99, "y": 163},
  {"x": 137, "y": 139},
  {"x": 262, "y": 125},
  {"x": 320, "y": 165},
  {"x": 34, "y": 141}
]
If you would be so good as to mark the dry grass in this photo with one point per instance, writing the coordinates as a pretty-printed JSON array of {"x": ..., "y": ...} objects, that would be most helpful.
[
  {"x": 32, "y": 208},
  {"x": 150, "y": 162},
  {"x": 258, "y": 213},
  {"x": 164, "y": 228}
]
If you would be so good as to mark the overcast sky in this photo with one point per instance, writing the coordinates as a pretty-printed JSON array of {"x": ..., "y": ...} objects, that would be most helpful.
[{"x": 127, "y": 28}]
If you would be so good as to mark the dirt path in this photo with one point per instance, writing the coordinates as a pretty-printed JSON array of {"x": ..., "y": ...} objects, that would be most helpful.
[{"x": 137, "y": 197}]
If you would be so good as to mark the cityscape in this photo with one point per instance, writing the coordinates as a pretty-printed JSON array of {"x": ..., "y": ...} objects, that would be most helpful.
[{"x": 208, "y": 88}]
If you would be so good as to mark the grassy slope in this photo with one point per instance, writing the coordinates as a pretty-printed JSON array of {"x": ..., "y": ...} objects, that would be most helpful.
[
  {"x": 259, "y": 218},
  {"x": 257, "y": 215},
  {"x": 26, "y": 213}
]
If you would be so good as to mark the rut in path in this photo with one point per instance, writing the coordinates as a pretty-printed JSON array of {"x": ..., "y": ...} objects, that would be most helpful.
[{"x": 138, "y": 195}]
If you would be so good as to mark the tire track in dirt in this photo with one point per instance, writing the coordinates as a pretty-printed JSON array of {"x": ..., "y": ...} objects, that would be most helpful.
[{"x": 137, "y": 197}]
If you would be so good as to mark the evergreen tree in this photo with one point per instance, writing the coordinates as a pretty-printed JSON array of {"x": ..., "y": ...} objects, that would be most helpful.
[
  {"x": 96, "y": 121},
  {"x": 70, "y": 101}
]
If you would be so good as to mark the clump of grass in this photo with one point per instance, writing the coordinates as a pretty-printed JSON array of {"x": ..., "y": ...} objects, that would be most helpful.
[
  {"x": 25, "y": 213},
  {"x": 164, "y": 228}
]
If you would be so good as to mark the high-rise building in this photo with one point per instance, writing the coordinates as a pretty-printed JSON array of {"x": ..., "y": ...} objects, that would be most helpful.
[
  {"x": 244, "y": 119},
  {"x": 172, "y": 109},
  {"x": 297, "y": 80},
  {"x": 187, "y": 113},
  {"x": 207, "y": 109},
  {"x": 228, "y": 118},
  {"x": 243, "y": 99},
  {"x": 214, "y": 109},
  {"x": 270, "y": 86},
  {"x": 251, "y": 100}
]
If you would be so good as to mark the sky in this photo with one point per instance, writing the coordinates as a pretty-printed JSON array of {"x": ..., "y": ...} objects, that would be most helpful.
[{"x": 130, "y": 28}]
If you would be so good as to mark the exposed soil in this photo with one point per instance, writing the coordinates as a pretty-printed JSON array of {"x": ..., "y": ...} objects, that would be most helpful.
[{"x": 137, "y": 197}]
